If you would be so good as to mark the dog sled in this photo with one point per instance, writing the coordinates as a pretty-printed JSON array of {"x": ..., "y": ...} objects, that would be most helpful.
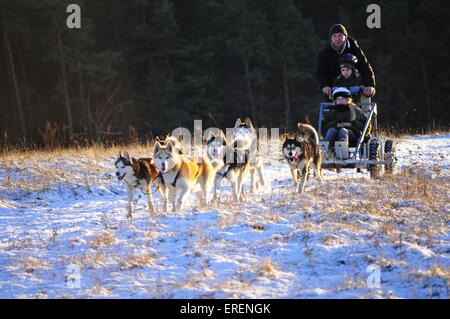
[{"x": 371, "y": 152}]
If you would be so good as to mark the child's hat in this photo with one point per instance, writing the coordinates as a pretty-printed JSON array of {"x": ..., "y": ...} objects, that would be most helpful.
[
  {"x": 348, "y": 60},
  {"x": 341, "y": 91}
]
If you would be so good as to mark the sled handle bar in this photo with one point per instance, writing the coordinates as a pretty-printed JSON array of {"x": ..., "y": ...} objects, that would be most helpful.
[
  {"x": 324, "y": 107},
  {"x": 373, "y": 109}
]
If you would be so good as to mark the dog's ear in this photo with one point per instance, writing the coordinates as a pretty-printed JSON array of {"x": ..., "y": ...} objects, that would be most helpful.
[
  {"x": 127, "y": 156},
  {"x": 157, "y": 147},
  {"x": 238, "y": 123},
  {"x": 169, "y": 146},
  {"x": 207, "y": 135},
  {"x": 120, "y": 154},
  {"x": 248, "y": 122}
]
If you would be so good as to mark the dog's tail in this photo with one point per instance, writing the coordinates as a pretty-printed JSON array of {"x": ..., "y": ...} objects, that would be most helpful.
[{"x": 309, "y": 133}]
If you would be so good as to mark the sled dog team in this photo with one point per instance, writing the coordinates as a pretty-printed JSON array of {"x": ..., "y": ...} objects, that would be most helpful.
[{"x": 176, "y": 175}]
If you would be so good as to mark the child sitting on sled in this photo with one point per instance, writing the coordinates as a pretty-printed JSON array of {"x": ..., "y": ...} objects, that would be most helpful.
[{"x": 349, "y": 77}]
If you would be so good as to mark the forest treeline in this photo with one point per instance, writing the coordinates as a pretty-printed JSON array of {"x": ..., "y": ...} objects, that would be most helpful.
[{"x": 139, "y": 68}]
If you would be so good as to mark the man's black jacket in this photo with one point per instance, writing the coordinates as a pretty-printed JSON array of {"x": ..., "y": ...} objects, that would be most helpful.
[{"x": 328, "y": 65}]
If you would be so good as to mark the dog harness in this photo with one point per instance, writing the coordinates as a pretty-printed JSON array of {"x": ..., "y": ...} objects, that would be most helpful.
[
  {"x": 233, "y": 165},
  {"x": 224, "y": 174},
  {"x": 135, "y": 185},
  {"x": 174, "y": 180}
]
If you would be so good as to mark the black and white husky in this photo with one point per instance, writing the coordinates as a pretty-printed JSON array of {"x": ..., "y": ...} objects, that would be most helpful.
[
  {"x": 234, "y": 159},
  {"x": 137, "y": 173},
  {"x": 300, "y": 153}
]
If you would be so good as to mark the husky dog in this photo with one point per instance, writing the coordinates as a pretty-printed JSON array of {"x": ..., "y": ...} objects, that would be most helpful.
[
  {"x": 137, "y": 173},
  {"x": 299, "y": 155},
  {"x": 308, "y": 133},
  {"x": 244, "y": 140},
  {"x": 181, "y": 175},
  {"x": 216, "y": 144},
  {"x": 217, "y": 150}
]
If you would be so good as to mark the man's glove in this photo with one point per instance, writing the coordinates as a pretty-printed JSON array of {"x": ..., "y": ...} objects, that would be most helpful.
[
  {"x": 369, "y": 91},
  {"x": 326, "y": 90}
]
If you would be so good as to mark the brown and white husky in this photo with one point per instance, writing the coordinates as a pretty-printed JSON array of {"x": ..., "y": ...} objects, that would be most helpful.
[
  {"x": 181, "y": 175},
  {"x": 137, "y": 173}
]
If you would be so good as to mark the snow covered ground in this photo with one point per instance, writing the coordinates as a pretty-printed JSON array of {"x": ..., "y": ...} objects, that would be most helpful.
[{"x": 64, "y": 233}]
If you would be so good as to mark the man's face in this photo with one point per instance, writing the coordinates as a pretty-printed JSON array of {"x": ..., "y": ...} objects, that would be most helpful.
[
  {"x": 346, "y": 72},
  {"x": 338, "y": 39}
]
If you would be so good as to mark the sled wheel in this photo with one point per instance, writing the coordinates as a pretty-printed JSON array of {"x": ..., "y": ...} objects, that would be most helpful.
[
  {"x": 390, "y": 152},
  {"x": 374, "y": 169}
]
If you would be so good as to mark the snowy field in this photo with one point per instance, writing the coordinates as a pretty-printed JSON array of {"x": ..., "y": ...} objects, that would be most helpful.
[{"x": 64, "y": 232}]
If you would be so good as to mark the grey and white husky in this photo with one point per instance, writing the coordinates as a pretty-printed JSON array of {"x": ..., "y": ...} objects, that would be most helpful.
[{"x": 234, "y": 159}]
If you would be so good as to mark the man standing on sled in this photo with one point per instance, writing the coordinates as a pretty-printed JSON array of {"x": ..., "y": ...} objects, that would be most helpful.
[{"x": 328, "y": 67}]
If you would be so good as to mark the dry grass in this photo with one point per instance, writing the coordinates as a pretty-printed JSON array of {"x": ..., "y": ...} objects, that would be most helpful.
[
  {"x": 103, "y": 240},
  {"x": 41, "y": 170},
  {"x": 267, "y": 268},
  {"x": 136, "y": 261},
  {"x": 30, "y": 264},
  {"x": 440, "y": 271},
  {"x": 396, "y": 134},
  {"x": 351, "y": 284},
  {"x": 99, "y": 290}
]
